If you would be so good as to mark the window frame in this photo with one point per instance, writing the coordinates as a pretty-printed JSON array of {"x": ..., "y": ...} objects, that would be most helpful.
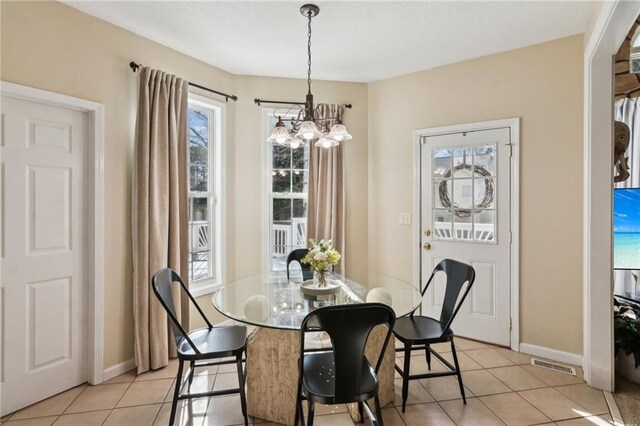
[
  {"x": 217, "y": 138},
  {"x": 268, "y": 114}
]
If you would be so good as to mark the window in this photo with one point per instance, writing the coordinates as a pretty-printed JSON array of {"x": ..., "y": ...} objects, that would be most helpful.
[
  {"x": 205, "y": 213},
  {"x": 464, "y": 188},
  {"x": 287, "y": 182}
]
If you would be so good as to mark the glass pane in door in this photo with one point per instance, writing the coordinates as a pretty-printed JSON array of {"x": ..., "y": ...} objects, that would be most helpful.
[{"x": 464, "y": 190}]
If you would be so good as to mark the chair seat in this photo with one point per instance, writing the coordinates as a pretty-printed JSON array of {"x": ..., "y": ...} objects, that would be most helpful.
[
  {"x": 419, "y": 329},
  {"x": 318, "y": 379},
  {"x": 218, "y": 341}
]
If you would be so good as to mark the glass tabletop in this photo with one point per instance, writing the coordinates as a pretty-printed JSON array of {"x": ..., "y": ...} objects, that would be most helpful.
[{"x": 272, "y": 300}]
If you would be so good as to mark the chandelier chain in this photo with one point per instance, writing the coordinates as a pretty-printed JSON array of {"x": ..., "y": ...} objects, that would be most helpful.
[{"x": 309, "y": 53}]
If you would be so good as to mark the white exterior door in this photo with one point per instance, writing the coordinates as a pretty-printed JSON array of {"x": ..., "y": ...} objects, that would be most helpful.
[
  {"x": 465, "y": 215},
  {"x": 44, "y": 248}
]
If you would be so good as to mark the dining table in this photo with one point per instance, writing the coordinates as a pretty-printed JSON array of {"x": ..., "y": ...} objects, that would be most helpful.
[{"x": 274, "y": 306}]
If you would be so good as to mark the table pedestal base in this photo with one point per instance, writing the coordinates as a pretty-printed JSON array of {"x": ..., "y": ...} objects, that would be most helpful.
[{"x": 272, "y": 373}]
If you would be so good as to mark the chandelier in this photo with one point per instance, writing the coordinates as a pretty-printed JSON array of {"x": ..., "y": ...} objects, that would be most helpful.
[{"x": 310, "y": 126}]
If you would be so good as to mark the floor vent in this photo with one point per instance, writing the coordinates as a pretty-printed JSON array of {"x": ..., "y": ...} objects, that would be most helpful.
[{"x": 553, "y": 366}]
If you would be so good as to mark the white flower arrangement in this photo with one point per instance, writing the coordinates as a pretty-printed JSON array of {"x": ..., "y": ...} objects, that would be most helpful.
[{"x": 321, "y": 255}]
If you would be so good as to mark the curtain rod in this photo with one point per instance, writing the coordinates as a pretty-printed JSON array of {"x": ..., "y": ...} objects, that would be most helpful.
[
  {"x": 264, "y": 101},
  {"x": 134, "y": 67}
]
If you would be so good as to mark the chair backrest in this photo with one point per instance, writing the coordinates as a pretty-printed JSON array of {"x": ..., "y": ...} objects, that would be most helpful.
[
  {"x": 162, "y": 283},
  {"x": 348, "y": 326},
  {"x": 296, "y": 256},
  {"x": 458, "y": 274}
]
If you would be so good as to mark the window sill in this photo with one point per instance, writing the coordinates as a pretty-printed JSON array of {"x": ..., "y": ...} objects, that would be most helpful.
[{"x": 204, "y": 287}]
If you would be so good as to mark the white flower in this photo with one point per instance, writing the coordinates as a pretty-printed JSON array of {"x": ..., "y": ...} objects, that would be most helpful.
[
  {"x": 315, "y": 251},
  {"x": 320, "y": 257},
  {"x": 322, "y": 242}
]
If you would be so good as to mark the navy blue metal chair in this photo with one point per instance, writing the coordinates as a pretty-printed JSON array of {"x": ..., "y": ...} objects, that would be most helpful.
[
  {"x": 343, "y": 374},
  {"x": 419, "y": 332},
  {"x": 297, "y": 256},
  {"x": 201, "y": 344}
]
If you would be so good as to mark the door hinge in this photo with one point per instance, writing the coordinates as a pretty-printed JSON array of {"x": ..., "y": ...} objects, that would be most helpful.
[
  {"x": 510, "y": 236},
  {"x": 510, "y": 324},
  {"x": 510, "y": 145}
]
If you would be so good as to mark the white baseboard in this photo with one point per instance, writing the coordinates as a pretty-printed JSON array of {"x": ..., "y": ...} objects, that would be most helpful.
[
  {"x": 118, "y": 369},
  {"x": 552, "y": 354}
]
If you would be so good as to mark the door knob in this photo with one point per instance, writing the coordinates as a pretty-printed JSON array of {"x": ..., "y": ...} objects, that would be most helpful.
[
  {"x": 426, "y": 246},
  {"x": 427, "y": 232}
]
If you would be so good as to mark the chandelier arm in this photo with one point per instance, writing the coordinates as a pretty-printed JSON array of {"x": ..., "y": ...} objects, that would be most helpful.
[{"x": 277, "y": 113}]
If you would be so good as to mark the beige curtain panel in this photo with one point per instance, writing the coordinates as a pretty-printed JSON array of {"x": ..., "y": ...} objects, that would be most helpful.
[
  {"x": 159, "y": 213},
  {"x": 325, "y": 217}
]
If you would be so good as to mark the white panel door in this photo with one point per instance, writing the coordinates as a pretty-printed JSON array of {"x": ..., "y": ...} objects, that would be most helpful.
[
  {"x": 44, "y": 248},
  {"x": 465, "y": 215}
]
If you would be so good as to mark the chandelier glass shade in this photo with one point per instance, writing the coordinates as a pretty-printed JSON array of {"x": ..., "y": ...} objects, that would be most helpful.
[
  {"x": 339, "y": 133},
  {"x": 280, "y": 134},
  {"x": 312, "y": 126},
  {"x": 308, "y": 130}
]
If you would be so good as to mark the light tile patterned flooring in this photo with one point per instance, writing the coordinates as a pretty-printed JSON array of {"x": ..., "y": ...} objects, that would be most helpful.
[{"x": 502, "y": 388}]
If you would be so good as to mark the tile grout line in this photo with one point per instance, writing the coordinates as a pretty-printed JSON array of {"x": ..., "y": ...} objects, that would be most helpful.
[
  {"x": 399, "y": 413},
  {"x": 10, "y": 415},
  {"x": 116, "y": 404},
  {"x": 522, "y": 390},
  {"x": 532, "y": 406},
  {"x": 494, "y": 413}
]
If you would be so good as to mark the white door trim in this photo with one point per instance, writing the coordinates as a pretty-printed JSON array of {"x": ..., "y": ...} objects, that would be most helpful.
[
  {"x": 612, "y": 25},
  {"x": 514, "y": 126},
  {"x": 95, "y": 216}
]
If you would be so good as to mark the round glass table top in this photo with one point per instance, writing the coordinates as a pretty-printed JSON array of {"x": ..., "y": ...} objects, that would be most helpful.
[{"x": 272, "y": 300}]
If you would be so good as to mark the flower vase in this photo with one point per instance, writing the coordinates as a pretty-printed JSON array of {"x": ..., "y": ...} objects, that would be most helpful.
[{"x": 320, "y": 276}]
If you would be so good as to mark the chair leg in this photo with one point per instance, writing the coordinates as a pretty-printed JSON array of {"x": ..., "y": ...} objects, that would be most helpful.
[
  {"x": 312, "y": 407},
  {"x": 455, "y": 362},
  {"x": 243, "y": 401},
  {"x": 427, "y": 352},
  {"x": 299, "y": 413},
  {"x": 405, "y": 374},
  {"x": 176, "y": 393},
  {"x": 192, "y": 369},
  {"x": 378, "y": 411},
  {"x": 361, "y": 411}
]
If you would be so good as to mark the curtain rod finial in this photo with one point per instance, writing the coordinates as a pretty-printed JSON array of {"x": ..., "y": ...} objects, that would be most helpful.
[{"x": 134, "y": 67}]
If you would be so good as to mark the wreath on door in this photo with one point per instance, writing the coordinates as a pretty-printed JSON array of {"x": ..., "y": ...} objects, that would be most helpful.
[{"x": 483, "y": 203}]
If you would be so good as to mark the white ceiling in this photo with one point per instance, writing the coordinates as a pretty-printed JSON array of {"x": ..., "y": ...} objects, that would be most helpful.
[{"x": 352, "y": 40}]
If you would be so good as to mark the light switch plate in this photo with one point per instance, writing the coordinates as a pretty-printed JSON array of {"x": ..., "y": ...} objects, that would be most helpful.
[{"x": 405, "y": 219}]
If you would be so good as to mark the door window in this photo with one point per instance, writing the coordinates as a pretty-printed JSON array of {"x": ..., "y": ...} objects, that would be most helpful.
[{"x": 464, "y": 190}]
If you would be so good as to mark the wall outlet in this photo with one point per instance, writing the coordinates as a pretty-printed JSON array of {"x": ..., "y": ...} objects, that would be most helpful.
[{"x": 405, "y": 219}]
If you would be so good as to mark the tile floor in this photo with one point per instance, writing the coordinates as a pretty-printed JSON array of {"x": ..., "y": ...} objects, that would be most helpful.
[{"x": 502, "y": 388}]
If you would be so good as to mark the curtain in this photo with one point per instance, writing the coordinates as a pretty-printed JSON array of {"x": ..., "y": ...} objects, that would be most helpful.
[
  {"x": 159, "y": 211},
  {"x": 325, "y": 217},
  {"x": 628, "y": 111}
]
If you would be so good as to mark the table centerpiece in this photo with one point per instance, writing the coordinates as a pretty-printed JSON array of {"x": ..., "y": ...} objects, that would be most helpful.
[{"x": 320, "y": 257}]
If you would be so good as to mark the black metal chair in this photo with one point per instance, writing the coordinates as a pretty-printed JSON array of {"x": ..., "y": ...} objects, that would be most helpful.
[
  {"x": 201, "y": 344},
  {"x": 296, "y": 256},
  {"x": 419, "y": 332},
  {"x": 342, "y": 375}
]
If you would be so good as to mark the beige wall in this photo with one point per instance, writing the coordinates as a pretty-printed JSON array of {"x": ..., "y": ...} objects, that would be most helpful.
[
  {"x": 542, "y": 84},
  {"x": 54, "y": 47}
]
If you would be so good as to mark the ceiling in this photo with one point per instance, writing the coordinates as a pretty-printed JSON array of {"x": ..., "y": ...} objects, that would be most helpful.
[{"x": 352, "y": 40}]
